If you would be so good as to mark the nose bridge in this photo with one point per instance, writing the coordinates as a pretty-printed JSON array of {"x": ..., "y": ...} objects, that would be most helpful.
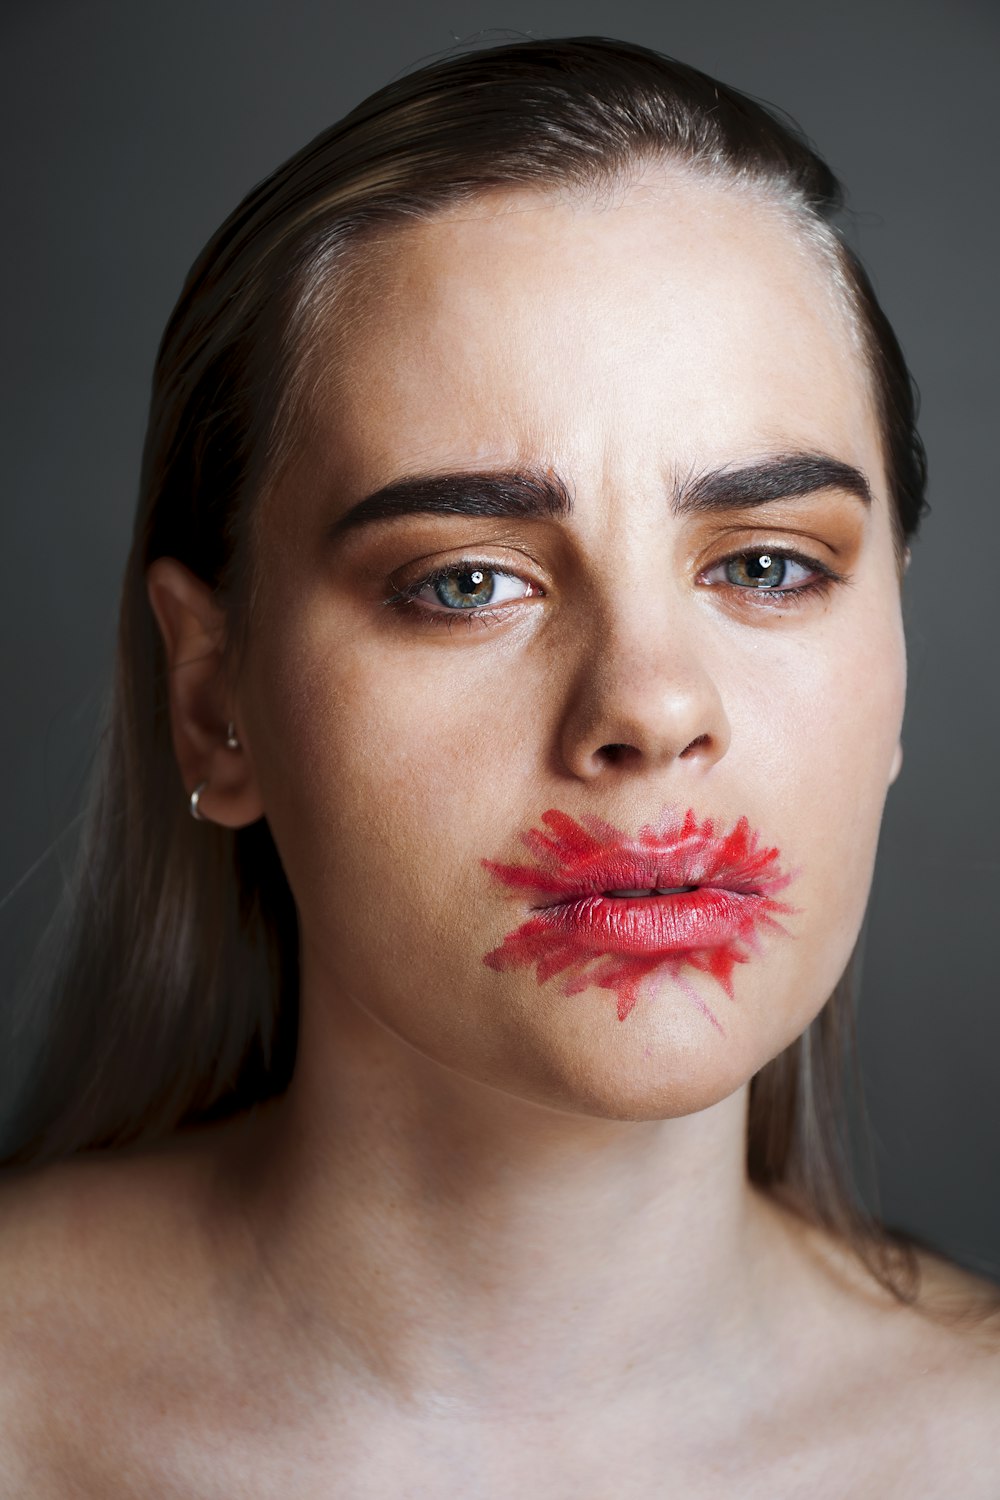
[{"x": 646, "y": 688}]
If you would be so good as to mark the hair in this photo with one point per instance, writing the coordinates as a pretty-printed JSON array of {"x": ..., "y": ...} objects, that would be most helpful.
[{"x": 165, "y": 993}]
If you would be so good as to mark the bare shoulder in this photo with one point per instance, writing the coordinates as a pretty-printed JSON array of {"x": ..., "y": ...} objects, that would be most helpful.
[
  {"x": 947, "y": 1365},
  {"x": 914, "y": 1376},
  {"x": 955, "y": 1329},
  {"x": 102, "y": 1257},
  {"x": 97, "y": 1225}
]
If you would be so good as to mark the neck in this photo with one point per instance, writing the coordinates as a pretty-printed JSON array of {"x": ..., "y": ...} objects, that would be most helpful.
[{"x": 439, "y": 1235}]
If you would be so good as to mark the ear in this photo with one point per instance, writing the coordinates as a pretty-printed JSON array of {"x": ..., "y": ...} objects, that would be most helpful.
[
  {"x": 897, "y": 763},
  {"x": 193, "y": 628}
]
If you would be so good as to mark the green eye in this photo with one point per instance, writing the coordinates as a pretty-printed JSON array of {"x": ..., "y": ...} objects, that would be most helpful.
[
  {"x": 469, "y": 587},
  {"x": 465, "y": 588},
  {"x": 758, "y": 570},
  {"x": 772, "y": 577},
  {"x": 775, "y": 572}
]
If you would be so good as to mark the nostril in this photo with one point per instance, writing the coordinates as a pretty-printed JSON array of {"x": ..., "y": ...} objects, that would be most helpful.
[
  {"x": 694, "y": 745},
  {"x": 614, "y": 753}
]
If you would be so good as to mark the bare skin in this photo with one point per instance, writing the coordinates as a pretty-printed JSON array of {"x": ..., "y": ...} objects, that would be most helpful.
[
  {"x": 494, "y": 1240},
  {"x": 148, "y": 1352}
]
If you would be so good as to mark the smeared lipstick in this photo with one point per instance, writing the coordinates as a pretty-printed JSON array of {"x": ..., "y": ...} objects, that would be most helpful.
[{"x": 611, "y": 908}]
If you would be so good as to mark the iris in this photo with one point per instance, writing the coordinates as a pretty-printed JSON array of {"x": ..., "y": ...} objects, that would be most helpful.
[
  {"x": 465, "y": 588},
  {"x": 758, "y": 570}
]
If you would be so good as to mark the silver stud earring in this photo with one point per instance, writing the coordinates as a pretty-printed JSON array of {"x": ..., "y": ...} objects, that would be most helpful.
[
  {"x": 232, "y": 743},
  {"x": 195, "y": 799}
]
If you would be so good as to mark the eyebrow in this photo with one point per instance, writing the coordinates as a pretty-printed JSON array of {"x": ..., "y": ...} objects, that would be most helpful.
[
  {"x": 784, "y": 478},
  {"x": 524, "y": 494},
  {"x": 535, "y": 494}
]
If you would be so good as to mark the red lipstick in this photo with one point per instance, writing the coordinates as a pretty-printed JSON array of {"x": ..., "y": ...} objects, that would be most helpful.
[{"x": 611, "y": 908}]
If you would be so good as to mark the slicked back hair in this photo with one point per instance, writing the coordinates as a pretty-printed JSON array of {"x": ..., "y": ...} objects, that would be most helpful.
[{"x": 166, "y": 990}]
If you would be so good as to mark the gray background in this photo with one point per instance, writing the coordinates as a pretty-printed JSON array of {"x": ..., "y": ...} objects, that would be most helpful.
[{"x": 131, "y": 129}]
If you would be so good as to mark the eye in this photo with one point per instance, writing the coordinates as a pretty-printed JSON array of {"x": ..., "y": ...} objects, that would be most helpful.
[
  {"x": 470, "y": 588},
  {"x": 770, "y": 572},
  {"x": 464, "y": 587}
]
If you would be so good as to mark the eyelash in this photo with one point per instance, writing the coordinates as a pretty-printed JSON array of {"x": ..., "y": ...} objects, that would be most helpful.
[{"x": 817, "y": 587}]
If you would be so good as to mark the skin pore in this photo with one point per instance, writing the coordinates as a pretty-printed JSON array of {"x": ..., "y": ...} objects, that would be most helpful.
[{"x": 495, "y": 1237}]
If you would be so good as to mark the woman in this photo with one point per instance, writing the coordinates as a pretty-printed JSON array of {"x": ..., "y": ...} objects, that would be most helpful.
[{"x": 511, "y": 679}]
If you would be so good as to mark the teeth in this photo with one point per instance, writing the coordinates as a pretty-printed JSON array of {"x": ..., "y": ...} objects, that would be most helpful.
[{"x": 666, "y": 890}]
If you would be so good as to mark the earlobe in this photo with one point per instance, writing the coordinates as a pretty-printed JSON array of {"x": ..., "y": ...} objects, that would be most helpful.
[
  {"x": 193, "y": 629},
  {"x": 897, "y": 763}
]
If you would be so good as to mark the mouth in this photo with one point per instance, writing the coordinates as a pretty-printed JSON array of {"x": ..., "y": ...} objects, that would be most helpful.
[
  {"x": 647, "y": 893},
  {"x": 606, "y": 908},
  {"x": 677, "y": 890}
]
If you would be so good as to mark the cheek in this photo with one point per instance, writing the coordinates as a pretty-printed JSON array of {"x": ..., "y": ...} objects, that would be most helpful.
[
  {"x": 826, "y": 748},
  {"x": 385, "y": 785},
  {"x": 376, "y": 777}
]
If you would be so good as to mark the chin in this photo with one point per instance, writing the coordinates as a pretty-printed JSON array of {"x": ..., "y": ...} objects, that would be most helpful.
[{"x": 663, "y": 1065}]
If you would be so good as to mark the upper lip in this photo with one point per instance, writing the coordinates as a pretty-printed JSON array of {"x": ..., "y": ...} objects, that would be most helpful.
[
  {"x": 625, "y": 868},
  {"x": 576, "y": 860}
]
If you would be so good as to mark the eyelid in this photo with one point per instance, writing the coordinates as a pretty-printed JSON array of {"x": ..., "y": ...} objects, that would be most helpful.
[{"x": 734, "y": 541}]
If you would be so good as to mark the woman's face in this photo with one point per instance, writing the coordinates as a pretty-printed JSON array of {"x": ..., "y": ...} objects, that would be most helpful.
[{"x": 664, "y": 602}]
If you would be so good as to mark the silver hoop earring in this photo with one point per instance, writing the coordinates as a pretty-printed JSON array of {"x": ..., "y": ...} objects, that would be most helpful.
[
  {"x": 194, "y": 800},
  {"x": 232, "y": 743}
]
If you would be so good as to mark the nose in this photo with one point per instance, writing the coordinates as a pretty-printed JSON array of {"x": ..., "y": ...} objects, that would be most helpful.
[{"x": 644, "y": 695}]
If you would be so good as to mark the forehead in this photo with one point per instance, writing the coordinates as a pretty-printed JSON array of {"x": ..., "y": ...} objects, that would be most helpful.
[{"x": 677, "y": 325}]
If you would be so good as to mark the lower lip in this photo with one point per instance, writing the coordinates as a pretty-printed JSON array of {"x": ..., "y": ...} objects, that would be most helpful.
[{"x": 709, "y": 917}]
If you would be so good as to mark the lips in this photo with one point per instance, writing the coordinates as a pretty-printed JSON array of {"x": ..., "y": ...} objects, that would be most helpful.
[
  {"x": 704, "y": 898},
  {"x": 705, "y": 917}
]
